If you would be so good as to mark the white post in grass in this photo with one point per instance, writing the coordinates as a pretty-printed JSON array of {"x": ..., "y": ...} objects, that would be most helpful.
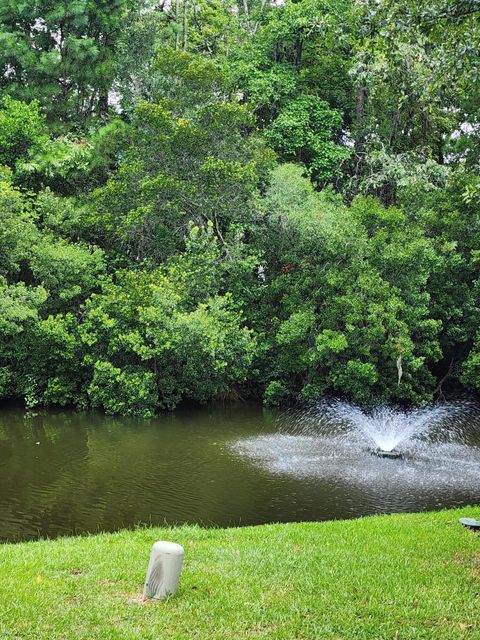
[{"x": 163, "y": 570}]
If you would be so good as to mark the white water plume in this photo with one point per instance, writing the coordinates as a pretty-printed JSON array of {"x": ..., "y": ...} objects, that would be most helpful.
[{"x": 386, "y": 427}]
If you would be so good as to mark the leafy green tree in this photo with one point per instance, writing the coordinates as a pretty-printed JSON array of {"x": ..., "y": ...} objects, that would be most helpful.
[
  {"x": 19, "y": 313},
  {"x": 70, "y": 165},
  {"x": 50, "y": 371},
  {"x": 204, "y": 165},
  {"x": 40, "y": 274},
  {"x": 413, "y": 63},
  {"x": 146, "y": 351},
  {"x": 62, "y": 54},
  {"x": 299, "y": 52},
  {"x": 17, "y": 229},
  {"x": 304, "y": 131},
  {"x": 450, "y": 219},
  {"x": 347, "y": 299},
  {"x": 67, "y": 270},
  {"x": 470, "y": 370},
  {"x": 67, "y": 164},
  {"x": 22, "y": 128}
]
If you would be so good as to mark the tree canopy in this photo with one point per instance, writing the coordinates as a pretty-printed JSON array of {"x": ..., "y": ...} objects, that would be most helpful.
[{"x": 204, "y": 199}]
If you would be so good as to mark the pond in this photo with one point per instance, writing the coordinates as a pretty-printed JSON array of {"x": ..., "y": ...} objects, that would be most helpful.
[{"x": 70, "y": 473}]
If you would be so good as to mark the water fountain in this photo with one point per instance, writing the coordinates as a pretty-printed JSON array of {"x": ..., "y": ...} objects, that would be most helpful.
[
  {"x": 422, "y": 458},
  {"x": 390, "y": 455},
  {"x": 388, "y": 428}
]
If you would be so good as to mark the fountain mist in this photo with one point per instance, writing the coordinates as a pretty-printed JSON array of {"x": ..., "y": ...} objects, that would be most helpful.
[{"x": 330, "y": 444}]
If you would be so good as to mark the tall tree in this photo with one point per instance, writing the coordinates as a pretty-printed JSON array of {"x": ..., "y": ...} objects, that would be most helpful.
[{"x": 62, "y": 54}]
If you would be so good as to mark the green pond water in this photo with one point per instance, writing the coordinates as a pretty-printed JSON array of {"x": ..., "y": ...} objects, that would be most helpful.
[{"x": 69, "y": 473}]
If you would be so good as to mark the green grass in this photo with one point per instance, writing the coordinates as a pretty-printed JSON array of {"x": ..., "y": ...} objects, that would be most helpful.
[{"x": 403, "y": 576}]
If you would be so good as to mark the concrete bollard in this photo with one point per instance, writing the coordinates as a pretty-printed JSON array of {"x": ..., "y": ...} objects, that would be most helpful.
[{"x": 163, "y": 570}]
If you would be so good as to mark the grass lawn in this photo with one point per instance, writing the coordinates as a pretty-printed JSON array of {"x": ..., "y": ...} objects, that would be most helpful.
[{"x": 403, "y": 576}]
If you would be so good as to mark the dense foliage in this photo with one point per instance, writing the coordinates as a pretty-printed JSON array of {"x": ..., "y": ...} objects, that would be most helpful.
[{"x": 208, "y": 199}]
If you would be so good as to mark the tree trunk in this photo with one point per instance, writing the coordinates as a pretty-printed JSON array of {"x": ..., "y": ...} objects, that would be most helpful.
[
  {"x": 359, "y": 135},
  {"x": 298, "y": 52},
  {"x": 360, "y": 104},
  {"x": 247, "y": 15},
  {"x": 177, "y": 24},
  {"x": 440, "y": 156},
  {"x": 184, "y": 47},
  {"x": 102, "y": 103}
]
